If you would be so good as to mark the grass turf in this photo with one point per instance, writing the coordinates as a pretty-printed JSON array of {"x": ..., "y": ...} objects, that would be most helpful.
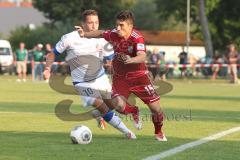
[{"x": 195, "y": 109}]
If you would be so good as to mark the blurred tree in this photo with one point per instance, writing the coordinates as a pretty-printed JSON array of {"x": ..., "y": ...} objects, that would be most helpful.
[
  {"x": 197, "y": 14},
  {"x": 225, "y": 21},
  {"x": 147, "y": 17},
  {"x": 61, "y": 10},
  {"x": 49, "y": 34},
  {"x": 2, "y": 35},
  {"x": 205, "y": 29},
  {"x": 223, "y": 18}
]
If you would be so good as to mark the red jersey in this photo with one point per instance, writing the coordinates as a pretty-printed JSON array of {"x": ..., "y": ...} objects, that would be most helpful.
[{"x": 129, "y": 47}]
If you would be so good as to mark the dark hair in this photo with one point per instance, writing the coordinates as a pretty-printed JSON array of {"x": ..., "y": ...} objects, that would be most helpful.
[
  {"x": 88, "y": 13},
  {"x": 125, "y": 15}
]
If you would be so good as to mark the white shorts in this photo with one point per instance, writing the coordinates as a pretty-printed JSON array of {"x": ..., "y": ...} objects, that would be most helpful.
[{"x": 98, "y": 88}]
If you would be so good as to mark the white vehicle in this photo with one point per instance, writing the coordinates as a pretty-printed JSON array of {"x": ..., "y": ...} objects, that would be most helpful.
[
  {"x": 81, "y": 135},
  {"x": 6, "y": 57}
]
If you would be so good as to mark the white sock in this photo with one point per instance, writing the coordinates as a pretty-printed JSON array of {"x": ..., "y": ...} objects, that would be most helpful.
[
  {"x": 117, "y": 123},
  {"x": 114, "y": 121}
]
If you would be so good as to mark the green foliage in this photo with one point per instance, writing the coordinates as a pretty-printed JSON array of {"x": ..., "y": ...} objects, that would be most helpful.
[
  {"x": 226, "y": 23},
  {"x": 146, "y": 15},
  {"x": 108, "y": 9},
  {"x": 2, "y": 36},
  {"x": 223, "y": 18},
  {"x": 63, "y": 10},
  {"x": 149, "y": 15},
  {"x": 45, "y": 34},
  {"x": 71, "y": 10}
]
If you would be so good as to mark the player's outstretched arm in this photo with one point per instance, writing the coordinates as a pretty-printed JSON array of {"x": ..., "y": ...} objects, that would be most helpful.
[
  {"x": 49, "y": 61},
  {"x": 141, "y": 57},
  {"x": 92, "y": 34}
]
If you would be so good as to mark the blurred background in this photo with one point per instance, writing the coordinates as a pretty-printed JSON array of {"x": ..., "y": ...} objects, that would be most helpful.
[
  {"x": 191, "y": 38},
  {"x": 192, "y": 44}
]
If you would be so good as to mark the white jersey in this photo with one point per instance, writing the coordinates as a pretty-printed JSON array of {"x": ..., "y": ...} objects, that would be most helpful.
[{"x": 83, "y": 55}]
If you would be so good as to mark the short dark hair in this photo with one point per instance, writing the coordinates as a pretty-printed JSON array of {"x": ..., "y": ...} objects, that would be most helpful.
[
  {"x": 125, "y": 15},
  {"x": 88, "y": 13}
]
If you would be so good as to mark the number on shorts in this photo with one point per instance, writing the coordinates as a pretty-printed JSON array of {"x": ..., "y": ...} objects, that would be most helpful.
[
  {"x": 149, "y": 89},
  {"x": 88, "y": 91}
]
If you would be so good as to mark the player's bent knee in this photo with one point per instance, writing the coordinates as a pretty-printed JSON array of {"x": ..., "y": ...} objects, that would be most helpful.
[
  {"x": 119, "y": 103},
  {"x": 101, "y": 106},
  {"x": 155, "y": 107},
  {"x": 98, "y": 102}
]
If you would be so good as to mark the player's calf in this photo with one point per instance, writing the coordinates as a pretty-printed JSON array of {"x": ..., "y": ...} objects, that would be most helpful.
[
  {"x": 134, "y": 111},
  {"x": 116, "y": 122},
  {"x": 157, "y": 119}
]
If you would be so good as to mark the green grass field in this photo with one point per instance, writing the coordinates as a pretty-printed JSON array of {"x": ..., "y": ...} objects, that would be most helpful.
[{"x": 29, "y": 129}]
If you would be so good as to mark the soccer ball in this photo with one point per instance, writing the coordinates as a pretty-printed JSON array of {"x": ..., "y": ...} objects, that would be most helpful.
[{"x": 81, "y": 135}]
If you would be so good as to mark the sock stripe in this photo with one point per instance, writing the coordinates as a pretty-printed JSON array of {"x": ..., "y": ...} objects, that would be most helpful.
[{"x": 108, "y": 116}]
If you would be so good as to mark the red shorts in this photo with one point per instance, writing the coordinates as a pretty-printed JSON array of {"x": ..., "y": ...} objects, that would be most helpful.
[{"x": 138, "y": 83}]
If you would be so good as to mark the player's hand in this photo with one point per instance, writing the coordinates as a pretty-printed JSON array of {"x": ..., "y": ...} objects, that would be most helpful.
[
  {"x": 129, "y": 61},
  {"x": 46, "y": 73},
  {"x": 126, "y": 58},
  {"x": 123, "y": 57},
  {"x": 80, "y": 30}
]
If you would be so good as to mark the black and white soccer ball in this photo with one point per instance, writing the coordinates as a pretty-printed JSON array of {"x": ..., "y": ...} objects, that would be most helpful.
[{"x": 81, "y": 135}]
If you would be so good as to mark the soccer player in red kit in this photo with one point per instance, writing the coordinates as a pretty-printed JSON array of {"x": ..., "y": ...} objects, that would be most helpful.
[{"x": 130, "y": 73}]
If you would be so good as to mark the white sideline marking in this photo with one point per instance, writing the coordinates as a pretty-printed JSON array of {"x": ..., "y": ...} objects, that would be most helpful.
[{"x": 183, "y": 147}]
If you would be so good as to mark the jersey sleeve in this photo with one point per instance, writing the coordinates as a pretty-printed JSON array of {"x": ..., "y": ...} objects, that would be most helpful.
[
  {"x": 109, "y": 57},
  {"x": 61, "y": 46},
  {"x": 107, "y": 35},
  {"x": 107, "y": 48},
  {"x": 140, "y": 44}
]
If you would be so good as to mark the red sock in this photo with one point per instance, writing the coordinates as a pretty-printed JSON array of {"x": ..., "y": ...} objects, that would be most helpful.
[
  {"x": 128, "y": 109},
  {"x": 157, "y": 120}
]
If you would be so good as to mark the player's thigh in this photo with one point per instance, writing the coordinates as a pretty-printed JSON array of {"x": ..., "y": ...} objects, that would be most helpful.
[
  {"x": 155, "y": 106},
  {"x": 103, "y": 85},
  {"x": 118, "y": 102},
  {"x": 143, "y": 88},
  {"x": 97, "y": 103},
  {"x": 92, "y": 93},
  {"x": 87, "y": 101},
  {"x": 120, "y": 87},
  {"x": 87, "y": 90}
]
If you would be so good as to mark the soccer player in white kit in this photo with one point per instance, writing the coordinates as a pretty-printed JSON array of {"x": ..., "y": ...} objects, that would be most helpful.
[{"x": 84, "y": 55}]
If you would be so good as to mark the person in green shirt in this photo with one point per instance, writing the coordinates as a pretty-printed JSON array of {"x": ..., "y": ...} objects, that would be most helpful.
[
  {"x": 38, "y": 58},
  {"x": 21, "y": 55}
]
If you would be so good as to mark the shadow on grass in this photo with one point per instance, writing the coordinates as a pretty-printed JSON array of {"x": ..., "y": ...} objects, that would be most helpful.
[
  {"x": 173, "y": 114},
  {"x": 33, "y": 107},
  {"x": 36, "y": 145},
  {"x": 57, "y": 146},
  {"x": 217, "y": 98}
]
